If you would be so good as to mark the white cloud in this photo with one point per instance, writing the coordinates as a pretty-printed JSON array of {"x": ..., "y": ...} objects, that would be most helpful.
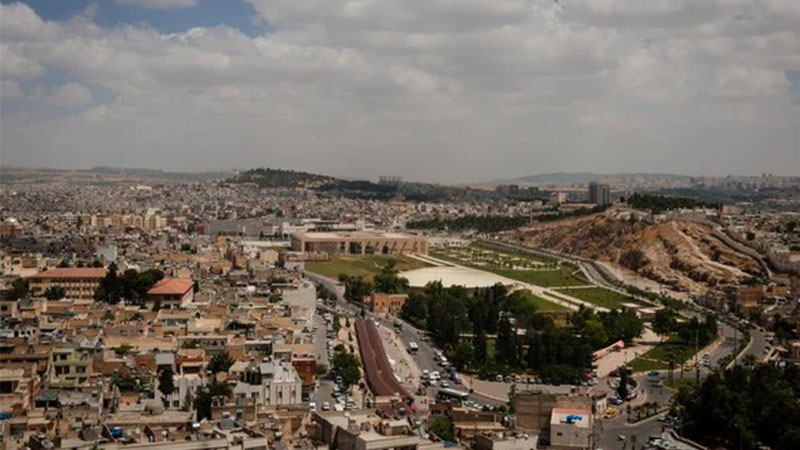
[
  {"x": 70, "y": 94},
  {"x": 159, "y": 4},
  {"x": 461, "y": 89}
]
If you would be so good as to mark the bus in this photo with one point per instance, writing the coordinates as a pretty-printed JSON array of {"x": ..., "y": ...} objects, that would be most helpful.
[
  {"x": 452, "y": 394},
  {"x": 413, "y": 348}
]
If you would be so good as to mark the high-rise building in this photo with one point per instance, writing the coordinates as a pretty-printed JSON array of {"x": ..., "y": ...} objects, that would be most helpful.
[{"x": 599, "y": 194}]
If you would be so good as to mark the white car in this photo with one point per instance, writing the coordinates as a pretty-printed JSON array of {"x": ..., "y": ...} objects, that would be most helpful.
[
  {"x": 312, "y": 405},
  {"x": 326, "y": 406}
]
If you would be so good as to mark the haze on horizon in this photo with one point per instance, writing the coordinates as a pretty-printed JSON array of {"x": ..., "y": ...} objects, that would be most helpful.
[{"x": 442, "y": 90}]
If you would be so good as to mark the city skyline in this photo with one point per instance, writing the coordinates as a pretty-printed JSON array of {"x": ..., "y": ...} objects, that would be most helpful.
[{"x": 450, "y": 92}]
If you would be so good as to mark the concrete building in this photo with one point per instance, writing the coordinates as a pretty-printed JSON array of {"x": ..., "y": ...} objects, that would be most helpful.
[
  {"x": 599, "y": 194},
  {"x": 366, "y": 430},
  {"x": 172, "y": 292},
  {"x": 78, "y": 283},
  {"x": 359, "y": 243},
  {"x": 386, "y": 303},
  {"x": 571, "y": 428},
  {"x": 68, "y": 368},
  {"x": 269, "y": 383}
]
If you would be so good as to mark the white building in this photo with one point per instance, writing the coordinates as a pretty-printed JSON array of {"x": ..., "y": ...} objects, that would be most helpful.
[{"x": 270, "y": 383}]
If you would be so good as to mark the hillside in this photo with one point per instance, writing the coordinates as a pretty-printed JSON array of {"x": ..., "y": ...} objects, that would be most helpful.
[
  {"x": 275, "y": 178},
  {"x": 683, "y": 255}
]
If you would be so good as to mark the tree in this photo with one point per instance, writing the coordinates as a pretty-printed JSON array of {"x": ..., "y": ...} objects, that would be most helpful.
[
  {"x": 220, "y": 362},
  {"x": 110, "y": 288},
  {"x": 665, "y": 321},
  {"x": 166, "y": 382},
  {"x": 321, "y": 370},
  {"x": 506, "y": 344},
  {"x": 622, "y": 388},
  {"x": 205, "y": 396},
  {"x": 387, "y": 281},
  {"x": 442, "y": 426},
  {"x": 355, "y": 288},
  {"x": 348, "y": 367},
  {"x": 19, "y": 289},
  {"x": 479, "y": 336},
  {"x": 55, "y": 293},
  {"x": 415, "y": 309}
]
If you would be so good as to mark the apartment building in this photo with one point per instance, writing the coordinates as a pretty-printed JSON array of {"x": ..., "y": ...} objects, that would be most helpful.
[{"x": 78, "y": 283}]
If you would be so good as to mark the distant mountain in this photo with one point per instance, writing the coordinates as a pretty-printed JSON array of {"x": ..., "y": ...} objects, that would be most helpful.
[
  {"x": 566, "y": 178},
  {"x": 362, "y": 189},
  {"x": 266, "y": 177}
]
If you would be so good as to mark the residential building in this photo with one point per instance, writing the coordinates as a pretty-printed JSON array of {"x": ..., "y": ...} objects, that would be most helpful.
[
  {"x": 171, "y": 293},
  {"x": 78, "y": 283}
]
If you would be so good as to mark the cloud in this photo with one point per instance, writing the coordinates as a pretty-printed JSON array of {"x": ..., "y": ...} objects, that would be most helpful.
[
  {"x": 70, "y": 94},
  {"x": 159, "y": 4},
  {"x": 446, "y": 90},
  {"x": 9, "y": 89}
]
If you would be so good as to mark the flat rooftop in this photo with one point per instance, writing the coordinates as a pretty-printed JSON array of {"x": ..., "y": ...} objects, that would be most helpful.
[{"x": 580, "y": 418}]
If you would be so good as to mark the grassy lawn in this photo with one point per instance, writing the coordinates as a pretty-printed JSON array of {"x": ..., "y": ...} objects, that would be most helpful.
[
  {"x": 545, "y": 278},
  {"x": 643, "y": 365},
  {"x": 600, "y": 297},
  {"x": 656, "y": 358},
  {"x": 364, "y": 266},
  {"x": 541, "y": 304}
]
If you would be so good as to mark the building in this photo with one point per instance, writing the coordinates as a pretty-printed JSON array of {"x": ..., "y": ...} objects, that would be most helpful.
[
  {"x": 359, "y": 243},
  {"x": 172, "y": 292},
  {"x": 269, "y": 383},
  {"x": 68, "y": 368},
  {"x": 571, "y": 428},
  {"x": 386, "y": 303},
  {"x": 506, "y": 441},
  {"x": 366, "y": 430},
  {"x": 599, "y": 194},
  {"x": 78, "y": 283}
]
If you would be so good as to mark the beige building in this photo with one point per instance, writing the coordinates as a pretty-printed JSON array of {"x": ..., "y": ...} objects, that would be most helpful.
[
  {"x": 359, "y": 243},
  {"x": 78, "y": 283},
  {"x": 571, "y": 428}
]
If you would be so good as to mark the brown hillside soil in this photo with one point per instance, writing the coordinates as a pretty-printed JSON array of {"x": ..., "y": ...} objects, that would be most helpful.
[{"x": 682, "y": 255}]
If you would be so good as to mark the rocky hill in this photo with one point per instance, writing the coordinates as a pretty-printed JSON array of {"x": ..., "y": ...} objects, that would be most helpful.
[{"x": 683, "y": 255}]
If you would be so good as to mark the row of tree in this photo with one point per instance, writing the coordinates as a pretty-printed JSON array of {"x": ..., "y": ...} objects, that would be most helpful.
[
  {"x": 483, "y": 224},
  {"x": 660, "y": 203},
  {"x": 131, "y": 286},
  {"x": 463, "y": 322}
]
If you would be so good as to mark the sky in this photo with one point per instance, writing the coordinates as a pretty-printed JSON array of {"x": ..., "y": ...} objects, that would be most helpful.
[{"x": 434, "y": 90}]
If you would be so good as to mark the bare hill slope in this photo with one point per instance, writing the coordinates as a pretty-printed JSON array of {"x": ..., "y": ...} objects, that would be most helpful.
[{"x": 683, "y": 255}]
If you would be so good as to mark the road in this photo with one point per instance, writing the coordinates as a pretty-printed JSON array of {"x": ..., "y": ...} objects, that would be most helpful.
[{"x": 424, "y": 357}]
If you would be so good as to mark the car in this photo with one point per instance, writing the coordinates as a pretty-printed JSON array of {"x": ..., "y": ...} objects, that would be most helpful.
[
  {"x": 518, "y": 380},
  {"x": 621, "y": 437},
  {"x": 508, "y": 379},
  {"x": 432, "y": 382},
  {"x": 338, "y": 379},
  {"x": 312, "y": 405},
  {"x": 616, "y": 401},
  {"x": 498, "y": 378},
  {"x": 326, "y": 406},
  {"x": 445, "y": 384},
  {"x": 653, "y": 373},
  {"x": 457, "y": 380}
]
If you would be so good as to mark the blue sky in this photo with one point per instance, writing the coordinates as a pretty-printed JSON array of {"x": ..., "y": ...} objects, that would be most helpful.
[{"x": 108, "y": 13}]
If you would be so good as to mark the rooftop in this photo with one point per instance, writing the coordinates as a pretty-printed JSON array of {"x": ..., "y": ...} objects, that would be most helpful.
[
  {"x": 173, "y": 286},
  {"x": 71, "y": 273}
]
